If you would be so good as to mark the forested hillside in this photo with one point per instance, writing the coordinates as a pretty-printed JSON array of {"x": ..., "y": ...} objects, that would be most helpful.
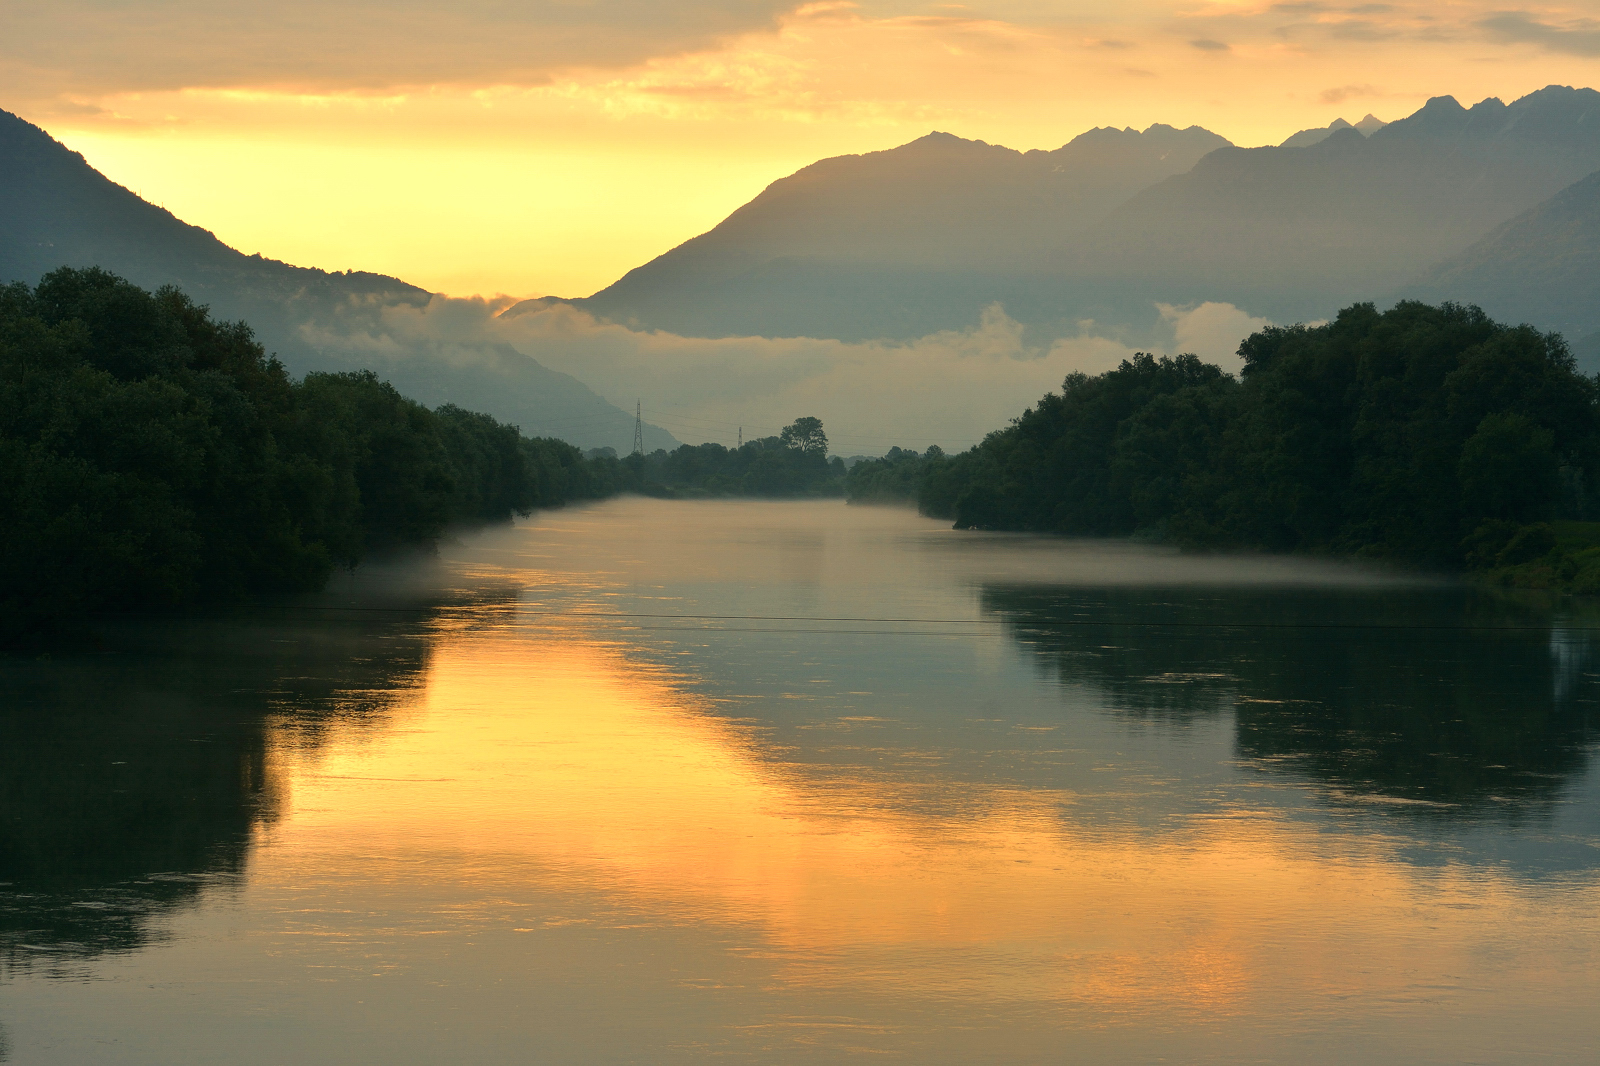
[{"x": 1432, "y": 435}]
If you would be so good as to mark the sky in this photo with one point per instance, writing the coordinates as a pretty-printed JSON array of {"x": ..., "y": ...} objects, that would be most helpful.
[{"x": 539, "y": 147}]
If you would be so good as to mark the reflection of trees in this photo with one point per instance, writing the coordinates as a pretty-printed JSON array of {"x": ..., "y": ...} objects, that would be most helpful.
[
  {"x": 131, "y": 778},
  {"x": 1357, "y": 689}
]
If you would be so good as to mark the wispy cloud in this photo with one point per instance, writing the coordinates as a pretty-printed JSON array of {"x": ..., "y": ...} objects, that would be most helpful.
[
  {"x": 950, "y": 388},
  {"x": 1579, "y": 37},
  {"x": 1348, "y": 92},
  {"x": 355, "y": 45},
  {"x": 667, "y": 101}
]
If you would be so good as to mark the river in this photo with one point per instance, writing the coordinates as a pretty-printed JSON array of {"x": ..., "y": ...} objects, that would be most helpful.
[{"x": 678, "y": 782}]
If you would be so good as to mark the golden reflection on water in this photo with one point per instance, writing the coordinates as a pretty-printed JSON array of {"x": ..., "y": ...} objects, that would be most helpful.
[{"x": 561, "y": 763}]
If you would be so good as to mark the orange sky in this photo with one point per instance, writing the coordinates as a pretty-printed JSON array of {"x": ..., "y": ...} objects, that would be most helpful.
[
  {"x": 549, "y": 146},
  {"x": 499, "y": 784}
]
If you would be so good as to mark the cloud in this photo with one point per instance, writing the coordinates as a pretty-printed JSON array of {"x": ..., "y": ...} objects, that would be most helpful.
[
  {"x": 1362, "y": 30},
  {"x": 1348, "y": 92},
  {"x": 1211, "y": 330},
  {"x": 1337, "y": 26},
  {"x": 1579, "y": 37},
  {"x": 949, "y": 388},
  {"x": 1205, "y": 44},
  {"x": 94, "y": 46}
]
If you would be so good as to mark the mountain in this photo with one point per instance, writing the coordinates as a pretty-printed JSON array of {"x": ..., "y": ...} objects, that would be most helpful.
[
  {"x": 56, "y": 210},
  {"x": 899, "y": 242},
  {"x": 1306, "y": 138},
  {"x": 1444, "y": 164},
  {"x": 1542, "y": 266},
  {"x": 1291, "y": 233},
  {"x": 1587, "y": 351},
  {"x": 1098, "y": 233}
]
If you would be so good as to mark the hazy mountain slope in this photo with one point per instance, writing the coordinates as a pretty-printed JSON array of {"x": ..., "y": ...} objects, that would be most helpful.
[
  {"x": 1306, "y": 138},
  {"x": 56, "y": 210},
  {"x": 1296, "y": 232},
  {"x": 1541, "y": 267},
  {"x": 898, "y": 243},
  {"x": 920, "y": 238},
  {"x": 1444, "y": 163}
]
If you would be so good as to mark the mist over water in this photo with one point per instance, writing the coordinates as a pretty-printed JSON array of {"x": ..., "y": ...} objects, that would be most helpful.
[
  {"x": 798, "y": 782},
  {"x": 951, "y": 387}
]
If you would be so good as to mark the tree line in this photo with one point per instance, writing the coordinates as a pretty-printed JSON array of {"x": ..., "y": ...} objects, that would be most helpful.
[
  {"x": 1430, "y": 435},
  {"x": 151, "y": 457},
  {"x": 792, "y": 464}
]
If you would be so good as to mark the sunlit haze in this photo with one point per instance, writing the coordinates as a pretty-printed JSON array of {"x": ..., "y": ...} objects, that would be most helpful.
[{"x": 474, "y": 150}]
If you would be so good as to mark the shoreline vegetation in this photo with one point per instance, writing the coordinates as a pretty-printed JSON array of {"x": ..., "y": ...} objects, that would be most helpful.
[
  {"x": 152, "y": 459},
  {"x": 1427, "y": 436},
  {"x": 792, "y": 465}
]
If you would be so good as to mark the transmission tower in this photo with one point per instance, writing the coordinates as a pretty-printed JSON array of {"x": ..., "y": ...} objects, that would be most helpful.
[{"x": 638, "y": 428}]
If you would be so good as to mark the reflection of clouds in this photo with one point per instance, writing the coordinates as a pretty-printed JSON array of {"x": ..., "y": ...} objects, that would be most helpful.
[
  {"x": 1571, "y": 652},
  {"x": 138, "y": 777},
  {"x": 564, "y": 762}
]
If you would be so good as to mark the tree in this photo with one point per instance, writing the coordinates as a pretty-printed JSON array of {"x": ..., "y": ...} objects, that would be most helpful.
[
  {"x": 1385, "y": 433},
  {"x": 1508, "y": 470},
  {"x": 806, "y": 435},
  {"x": 153, "y": 458}
]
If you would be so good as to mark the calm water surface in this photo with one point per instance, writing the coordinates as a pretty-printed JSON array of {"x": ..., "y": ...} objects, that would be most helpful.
[{"x": 660, "y": 782}]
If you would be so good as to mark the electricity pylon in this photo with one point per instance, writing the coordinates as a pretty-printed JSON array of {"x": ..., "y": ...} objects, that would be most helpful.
[{"x": 638, "y": 428}]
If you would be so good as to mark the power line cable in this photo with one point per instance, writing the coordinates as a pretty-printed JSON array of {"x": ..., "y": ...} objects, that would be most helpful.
[{"x": 1085, "y": 622}]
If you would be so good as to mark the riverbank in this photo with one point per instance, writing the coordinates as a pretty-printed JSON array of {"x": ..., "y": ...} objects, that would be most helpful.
[{"x": 1555, "y": 556}]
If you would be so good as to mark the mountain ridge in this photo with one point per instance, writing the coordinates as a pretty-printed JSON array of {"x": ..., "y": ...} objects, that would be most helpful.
[
  {"x": 57, "y": 210},
  {"x": 935, "y": 205},
  {"x": 1109, "y": 228}
]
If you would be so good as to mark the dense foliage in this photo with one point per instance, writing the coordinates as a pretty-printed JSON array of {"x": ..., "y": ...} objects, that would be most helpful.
[
  {"x": 151, "y": 457},
  {"x": 896, "y": 478},
  {"x": 793, "y": 464},
  {"x": 1430, "y": 434}
]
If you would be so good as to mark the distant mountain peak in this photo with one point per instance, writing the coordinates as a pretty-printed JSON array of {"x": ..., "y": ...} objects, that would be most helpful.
[
  {"x": 939, "y": 139},
  {"x": 1556, "y": 92},
  {"x": 1158, "y": 135},
  {"x": 1550, "y": 114},
  {"x": 1318, "y": 135}
]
